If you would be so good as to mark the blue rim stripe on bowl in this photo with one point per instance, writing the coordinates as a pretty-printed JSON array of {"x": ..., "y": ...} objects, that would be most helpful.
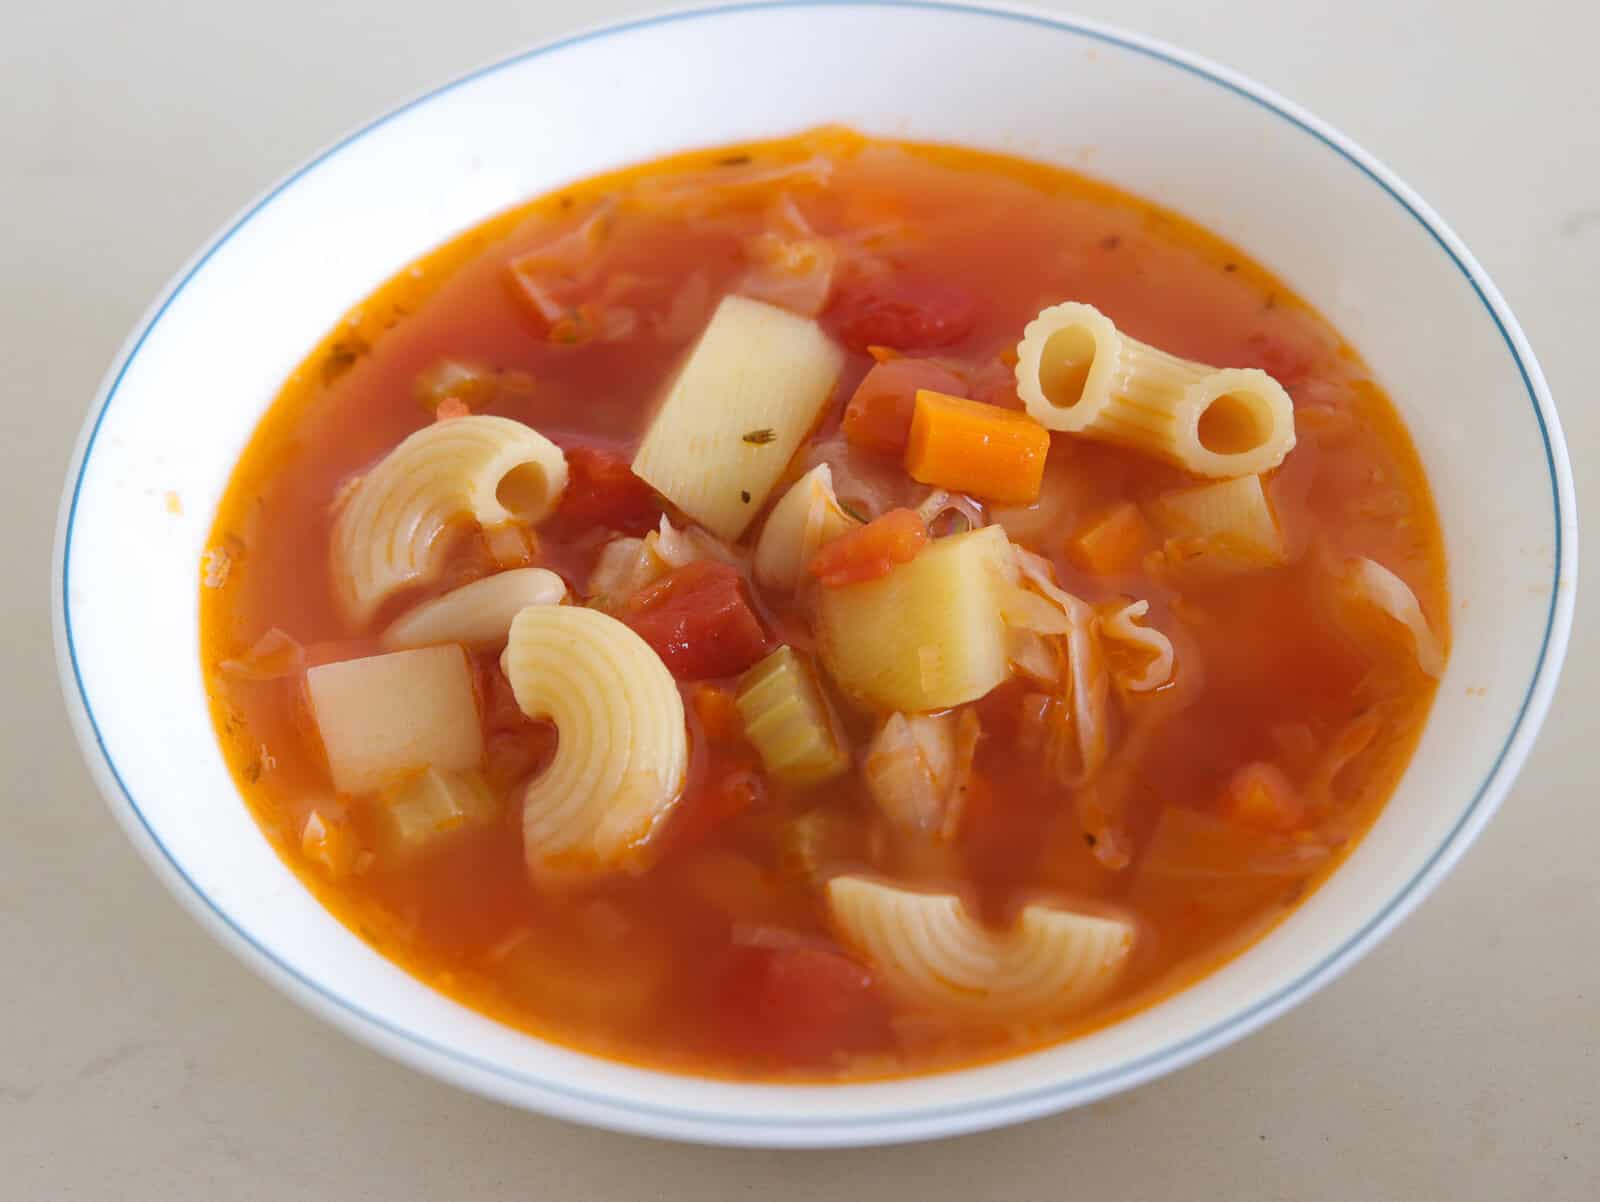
[{"x": 1000, "y": 1108}]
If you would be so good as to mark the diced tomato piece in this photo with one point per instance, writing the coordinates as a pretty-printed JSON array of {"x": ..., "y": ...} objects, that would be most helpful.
[
  {"x": 871, "y": 551},
  {"x": 603, "y": 491},
  {"x": 804, "y": 1003},
  {"x": 699, "y": 621},
  {"x": 497, "y": 701},
  {"x": 903, "y": 315},
  {"x": 878, "y": 416},
  {"x": 729, "y": 788},
  {"x": 1260, "y": 796}
]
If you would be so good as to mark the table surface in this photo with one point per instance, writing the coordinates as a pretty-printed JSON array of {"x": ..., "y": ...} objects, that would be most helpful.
[{"x": 138, "y": 1060}]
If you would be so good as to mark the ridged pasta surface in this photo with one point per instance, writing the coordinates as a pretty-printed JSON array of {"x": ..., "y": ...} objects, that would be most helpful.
[
  {"x": 929, "y": 950},
  {"x": 389, "y": 535},
  {"x": 622, "y": 747}
]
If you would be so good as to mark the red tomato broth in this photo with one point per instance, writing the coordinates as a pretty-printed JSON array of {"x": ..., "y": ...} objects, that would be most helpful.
[{"x": 658, "y": 966}]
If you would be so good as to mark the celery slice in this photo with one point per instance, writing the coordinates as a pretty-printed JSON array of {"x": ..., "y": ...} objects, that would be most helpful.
[
  {"x": 787, "y": 720},
  {"x": 433, "y": 804}
]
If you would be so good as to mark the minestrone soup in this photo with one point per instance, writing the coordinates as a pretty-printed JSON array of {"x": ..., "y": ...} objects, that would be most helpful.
[{"x": 824, "y": 609}]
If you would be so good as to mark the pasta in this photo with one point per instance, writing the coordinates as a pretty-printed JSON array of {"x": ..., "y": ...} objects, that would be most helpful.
[
  {"x": 1231, "y": 521},
  {"x": 925, "y": 636},
  {"x": 390, "y": 533},
  {"x": 623, "y": 751},
  {"x": 750, "y": 391},
  {"x": 931, "y": 950},
  {"x": 384, "y": 716},
  {"x": 1076, "y": 372},
  {"x": 477, "y": 614},
  {"x": 806, "y": 519}
]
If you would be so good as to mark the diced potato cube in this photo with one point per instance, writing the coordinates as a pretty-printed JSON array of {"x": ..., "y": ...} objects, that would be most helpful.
[
  {"x": 926, "y": 636},
  {"x": 385, "y": 716}
]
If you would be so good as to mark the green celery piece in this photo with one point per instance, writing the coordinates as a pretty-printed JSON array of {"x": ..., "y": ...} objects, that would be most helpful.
[{"x": 786, "y": 718}]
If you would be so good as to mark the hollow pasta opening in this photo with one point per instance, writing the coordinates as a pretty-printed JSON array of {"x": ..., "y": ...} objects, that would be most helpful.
[
  {"x": 1234, "y": 423},
  {"x": 524, "y": 491},
  {"x": 1064, "y": 365}
]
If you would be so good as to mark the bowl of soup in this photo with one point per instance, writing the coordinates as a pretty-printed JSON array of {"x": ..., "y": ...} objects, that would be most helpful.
[{"x": 822, "y": 596}]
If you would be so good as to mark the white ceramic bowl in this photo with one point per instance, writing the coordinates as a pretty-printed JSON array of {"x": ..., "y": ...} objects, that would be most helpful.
[{"x": 197, "y": 373}]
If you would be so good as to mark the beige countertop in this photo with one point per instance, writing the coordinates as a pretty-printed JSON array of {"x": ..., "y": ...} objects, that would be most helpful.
[{"x": 1459, "y": 1062}]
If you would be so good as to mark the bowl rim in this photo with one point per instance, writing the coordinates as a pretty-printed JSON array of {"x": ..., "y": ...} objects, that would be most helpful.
[{"x": 619, "y": 1112}]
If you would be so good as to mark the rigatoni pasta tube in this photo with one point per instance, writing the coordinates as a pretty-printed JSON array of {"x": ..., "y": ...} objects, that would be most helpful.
[
  {"x": 390, "y": 533},
  {"x": 1077, "y": 373},
  {"x": 931, "y": 952},
  {"x": 750, "y": 391},
  {"x": 622, "y": 748}
]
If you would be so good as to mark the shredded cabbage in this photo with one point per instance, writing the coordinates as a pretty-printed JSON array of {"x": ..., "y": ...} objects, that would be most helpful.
[
  {"x": 1145, "y": 641},
  {"x": 1372, "y": 582}
]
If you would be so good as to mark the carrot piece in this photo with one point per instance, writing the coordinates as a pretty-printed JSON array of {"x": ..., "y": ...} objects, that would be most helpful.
[
  {"x": 967, "y": 446},
  {"x": 878, "y": 417},
  {"x": 718, "y": 714},
  {"x": 1113, "y": 543},
  {"x": 871, "y": 551},
  {"x": 1260, "y": 797}
]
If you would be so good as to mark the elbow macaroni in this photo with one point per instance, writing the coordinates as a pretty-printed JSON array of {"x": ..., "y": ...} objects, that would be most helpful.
[
  {"x": 623, "y": 748},
  {"x": 390, "y": 533},
  {"x": 930, "y": 951},
  {"x": 1077, "y": 373}
]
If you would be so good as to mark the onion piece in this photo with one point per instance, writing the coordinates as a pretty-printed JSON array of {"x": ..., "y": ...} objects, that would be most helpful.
[
  {"x": 909, "y": 769},
  {"x": 939, "y": 503}
]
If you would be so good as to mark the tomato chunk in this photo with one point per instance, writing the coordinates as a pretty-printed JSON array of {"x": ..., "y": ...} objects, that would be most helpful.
[
  {"x": 729, "y": 787},
  {"x": 871, "y": 551},
  {"x": 904, "y": 315},
  {"x": 603, "y": 491},
  {"x": 805, "y": 1003},
  {"x": 699, "y": 621},
  {"x": 878, "y": 416}
]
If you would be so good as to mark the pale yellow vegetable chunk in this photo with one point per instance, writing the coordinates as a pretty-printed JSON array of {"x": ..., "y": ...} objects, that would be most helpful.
[
  {"x": 415, "y": 813},
  {"x": 786, "y": 719},
  {"x": 928, "y": 635},
  {"x": 384, "y": 716},
  {"x": 750, "y": 391},
  {"x": 1231, "y": 517},
  {"x": 930, "y": 951}
]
